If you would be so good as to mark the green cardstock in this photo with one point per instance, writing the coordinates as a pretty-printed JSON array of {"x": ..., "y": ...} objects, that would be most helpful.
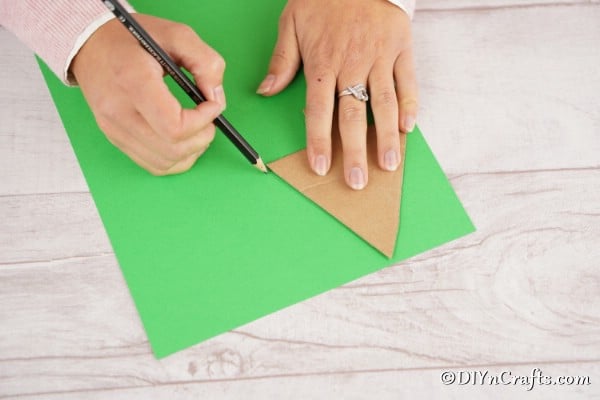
[{"x": 223, "y": 244}]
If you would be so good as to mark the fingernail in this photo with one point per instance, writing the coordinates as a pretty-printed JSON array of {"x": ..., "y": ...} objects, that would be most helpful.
[
  {"x": 219, "y": 94},
  {"x": 357, "y": 178},
  {"x": 409, "y": 123},
  {"x": 266, "y": 85},
  {"x": 320, "y": 166},
  {"x": 390, "y": 160}
]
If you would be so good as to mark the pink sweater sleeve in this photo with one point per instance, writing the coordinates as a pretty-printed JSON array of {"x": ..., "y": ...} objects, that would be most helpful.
[{"x": 54, "y": 29}]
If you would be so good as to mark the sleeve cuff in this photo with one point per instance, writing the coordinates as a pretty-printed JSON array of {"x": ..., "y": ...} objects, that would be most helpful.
[{"x": 67, "y": 76}]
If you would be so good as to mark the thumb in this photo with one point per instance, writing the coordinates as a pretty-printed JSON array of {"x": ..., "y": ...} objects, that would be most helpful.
[{"x": 285, "y": 60}]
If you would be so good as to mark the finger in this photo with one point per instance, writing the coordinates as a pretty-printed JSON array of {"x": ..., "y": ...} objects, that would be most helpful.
[
  {"x": 285, "y": 60},
  {"x": 318, "y": 114},
  {"x": 185, "y": 164},
  {"x": 197, "y": 144},
  {"x": 153, "y": 162},
  {"x": 406, "y": 88},
  {"x": 131, "y": 133},
  {"x": 137, "y": 151},
  {"x": 352, "y": 115},
  {"x": 385, "y": 110},
  {"x": 166, "y": 150},
  {"x": 202, "y": 61},
  {"x": 163, "y": 112}
]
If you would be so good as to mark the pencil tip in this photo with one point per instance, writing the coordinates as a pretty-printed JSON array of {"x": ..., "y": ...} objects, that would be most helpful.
[{"x": 261, "y": 165}]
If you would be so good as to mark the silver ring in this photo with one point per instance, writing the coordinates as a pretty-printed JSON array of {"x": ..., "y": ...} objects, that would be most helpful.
[{"x": 358, "y": 91}]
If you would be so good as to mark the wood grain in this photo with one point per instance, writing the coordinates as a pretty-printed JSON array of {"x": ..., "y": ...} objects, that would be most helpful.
[
  {"x": 514, "y": 89},
  {"x": 510, "y": 106},
  {"x": 51, "y": 227},
  {"x": 380, "y": 384},
  {"x": 461, "y": 5},
  {"x": 36, "y": 154},
  {"x": 523, "y": 289}
]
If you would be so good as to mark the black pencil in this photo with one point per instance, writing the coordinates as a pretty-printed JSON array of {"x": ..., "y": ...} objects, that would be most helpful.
[{"x": 182, "y": 80}]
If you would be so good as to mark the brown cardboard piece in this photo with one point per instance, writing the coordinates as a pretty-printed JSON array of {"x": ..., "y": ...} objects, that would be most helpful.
[{"x": 372, "y": 213}]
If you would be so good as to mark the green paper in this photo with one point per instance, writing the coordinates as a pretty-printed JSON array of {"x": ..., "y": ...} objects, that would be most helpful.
[{"x": 222, "y": 245}]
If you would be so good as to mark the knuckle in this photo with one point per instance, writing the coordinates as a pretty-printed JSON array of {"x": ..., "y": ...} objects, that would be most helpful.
[
  {"x": 165, "y": 166},
  {"x": 209, "y": 133},
  {"x": 388, "y": 137},
  {"x": 182, "y": 166},
  {"x": 381, "y": 44},
  {"x": 117, "y": 142},
  {"x": 187, "y": 165},
  {"x": 173, "y": 135},
  {"x": 107, "y": 113},
  {"x": 316, "y": 110},
  {"x": 357, "y": 52},
  {"x": 183, "y": 30},
  {"x": 280, "y": 56},
  {"x": 160, "y": 170},
  {"x": 352, "y": 113},
  {"x": 409, "y": 103},
  {"x": 284, "y": 20},
  {"x": 173, "y": 132},
  {"x": 104, "y": 124},
  {"x": 217, "y": 63},
  {"x": 318, "y": 143},
  {"x": 178, "y": 152},
  {"x": 105, "y": 110},
  {"x": 385, "y": 98},
  {"x": 175, "y": 153},
  {"x": 354, "y": 152},
  {"x": 113, "y": 136}
]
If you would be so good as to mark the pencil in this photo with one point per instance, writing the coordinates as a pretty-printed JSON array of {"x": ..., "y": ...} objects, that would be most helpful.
[{"x": 182, "y": 80}]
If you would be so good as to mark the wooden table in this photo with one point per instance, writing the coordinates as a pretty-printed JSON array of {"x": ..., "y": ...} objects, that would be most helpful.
[{"x": 510, "y": 95}]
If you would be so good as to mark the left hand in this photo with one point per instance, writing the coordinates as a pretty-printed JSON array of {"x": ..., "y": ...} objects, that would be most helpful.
[{"x": 343, "y": 43}]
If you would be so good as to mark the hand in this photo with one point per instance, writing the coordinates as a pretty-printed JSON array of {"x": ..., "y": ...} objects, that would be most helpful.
[
  {"x": 124, "y": 87},
  {"x": 343, "y": 43}
]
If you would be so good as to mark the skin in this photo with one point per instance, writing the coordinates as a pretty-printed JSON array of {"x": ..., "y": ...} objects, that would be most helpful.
[
  {"x": 141, "y": 116},
  {"x": 339, "y": 42},
  {"x": 342, "y": 43}
]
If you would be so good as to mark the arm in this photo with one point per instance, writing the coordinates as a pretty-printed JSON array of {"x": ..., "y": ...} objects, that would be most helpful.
[
  {"x": 55, "y": 30},
  {"x": 121, "y": 82}
]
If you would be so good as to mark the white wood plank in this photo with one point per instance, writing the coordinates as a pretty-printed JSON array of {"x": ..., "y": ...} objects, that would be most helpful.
[
  {"x": 35, "y": 153},
  {"x": 513, "y": 89},
  {"x": 383, "y": 385},
  {"x": 436, "y": 5},
  {"x": 523, "y": 289},
  {"x": 43, "y": 228}
]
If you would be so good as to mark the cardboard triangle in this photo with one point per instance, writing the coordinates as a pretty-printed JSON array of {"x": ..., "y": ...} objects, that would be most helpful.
[{"x": 372, "y": 213}]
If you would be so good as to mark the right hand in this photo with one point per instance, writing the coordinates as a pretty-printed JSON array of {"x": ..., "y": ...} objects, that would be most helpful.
[{"x": 124, "y": 87}]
